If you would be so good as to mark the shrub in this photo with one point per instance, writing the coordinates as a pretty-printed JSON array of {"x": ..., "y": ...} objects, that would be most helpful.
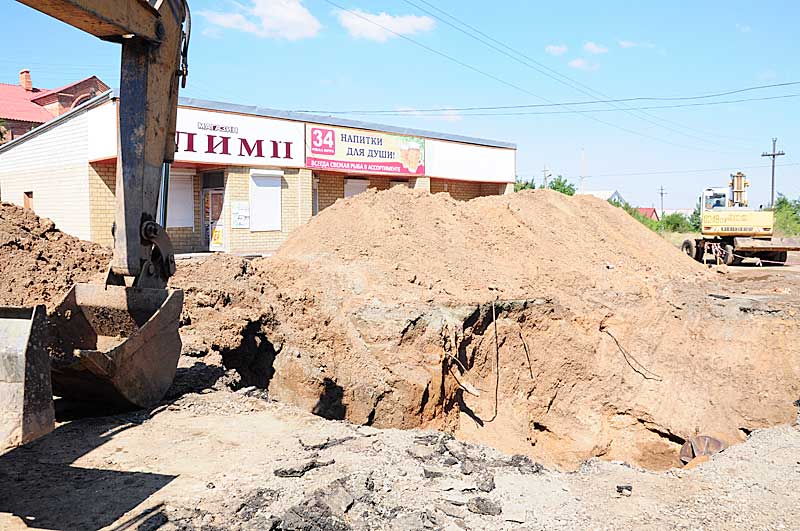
[{"x": 787, "y": 216}]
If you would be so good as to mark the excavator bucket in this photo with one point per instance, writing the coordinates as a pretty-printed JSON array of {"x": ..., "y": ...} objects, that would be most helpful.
[
  {"x": 26, "y": 399},
  {"x": 115, "y": 344}
]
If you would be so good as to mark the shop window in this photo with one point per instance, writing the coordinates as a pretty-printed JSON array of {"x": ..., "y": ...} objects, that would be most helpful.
[
  {"x": 180, "y": 201},
  {"x": 399, "y": 183},
  {"x": 265, "y": 200},
  {"x": 27, "y": 200},
  {"x": 355, "y": 186},
  {"x": 213, "y": 179}
]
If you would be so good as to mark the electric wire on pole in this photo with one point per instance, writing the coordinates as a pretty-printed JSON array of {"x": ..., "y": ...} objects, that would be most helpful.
[
  {"x": 662, "y": 193},
  {"x": 774, "y": 155}
]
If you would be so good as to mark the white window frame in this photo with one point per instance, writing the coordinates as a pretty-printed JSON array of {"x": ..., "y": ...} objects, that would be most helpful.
[
  {"x": 180, "y": 200},
  {"x": 273, "y": 221}
]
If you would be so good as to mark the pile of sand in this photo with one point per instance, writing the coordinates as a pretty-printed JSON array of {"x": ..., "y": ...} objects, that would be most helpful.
[
  {"x": 39, "y": 263},
  {"x": 552, "y": 326},
  {"x": 457, "y": 251},
  {"x": 380, "y": 311}
]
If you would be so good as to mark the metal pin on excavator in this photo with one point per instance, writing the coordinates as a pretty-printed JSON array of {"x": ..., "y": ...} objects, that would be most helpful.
[{"x": 118, "y": 342}]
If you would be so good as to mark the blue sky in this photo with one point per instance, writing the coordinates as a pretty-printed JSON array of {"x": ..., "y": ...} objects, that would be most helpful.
[{"x": 292, "y": 54}]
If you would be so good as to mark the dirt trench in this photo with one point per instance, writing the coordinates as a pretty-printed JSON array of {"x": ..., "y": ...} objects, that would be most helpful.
[
  {"x": 616, "y": 385},
  {"x": 379, "y": 312},
  {"x": 609, "y": 345}
]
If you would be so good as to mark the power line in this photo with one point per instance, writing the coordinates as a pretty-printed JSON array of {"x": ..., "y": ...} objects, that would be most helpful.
[
  {"x": 412, "y": 112},
  {"x": 557, "y": 104},
  {"x": 775, "y": 154},
  {"x": 668, "y": 172},
  {"x": 503, "y": 81},
  {"x": 539, "y": 66}
]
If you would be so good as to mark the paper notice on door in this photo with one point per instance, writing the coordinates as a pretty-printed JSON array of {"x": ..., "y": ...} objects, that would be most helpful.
[{"x": 240, "y": 214}]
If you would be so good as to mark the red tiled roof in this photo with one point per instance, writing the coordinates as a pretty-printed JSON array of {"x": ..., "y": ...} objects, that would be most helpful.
[
  {"x": 42, "y": 93},
  {"x": 648, "y": 212},
  {"x": 16, "y": 104}
]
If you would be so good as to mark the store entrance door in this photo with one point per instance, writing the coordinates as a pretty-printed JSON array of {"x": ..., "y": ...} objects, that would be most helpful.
[{"x": 212, "y": 218}]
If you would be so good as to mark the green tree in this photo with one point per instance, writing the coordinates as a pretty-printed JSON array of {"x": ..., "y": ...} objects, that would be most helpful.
[
  {"x": 560, "y": 184},
  {"x": 695, "y": 218},
  {"x": 676, "y": 222},
  {"x": 523, "y": 185},
  {"x": 787, "y": 216}
]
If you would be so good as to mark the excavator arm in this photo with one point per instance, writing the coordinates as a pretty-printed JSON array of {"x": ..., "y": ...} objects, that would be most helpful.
[
  {"x": 117, "y": 343},
  {"x": 154, "y": 52}
]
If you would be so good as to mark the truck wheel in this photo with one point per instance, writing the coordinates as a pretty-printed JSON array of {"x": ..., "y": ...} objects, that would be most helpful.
[
  {"x": 690, "y": 248},
  {"x": 727, "y": 254},
  {"x": 700, "y": 251}
]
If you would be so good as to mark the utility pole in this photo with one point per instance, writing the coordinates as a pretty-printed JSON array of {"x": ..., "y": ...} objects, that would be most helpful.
[
  {"x": 546, "y": 175},
  {"x": 662, "y": 193},
  {"x": 774, "y": 155}
]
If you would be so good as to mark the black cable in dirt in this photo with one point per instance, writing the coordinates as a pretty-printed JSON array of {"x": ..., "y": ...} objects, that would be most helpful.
[
  {"x": 527, "y": 355},
  {"x": 466, "y": 386},
  {"x": 627, "y": 355},
  {"x": 496, "y": 363},
  {"x": 463, "y": 369}
]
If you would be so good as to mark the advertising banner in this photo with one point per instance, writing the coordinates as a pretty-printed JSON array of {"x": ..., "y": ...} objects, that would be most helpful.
[
  {"x": 358, "y": 151},
  {"x": 222, "y": 138}
]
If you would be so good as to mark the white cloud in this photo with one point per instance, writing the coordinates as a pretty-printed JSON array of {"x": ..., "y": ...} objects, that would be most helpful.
[
  {"x": 556, "y": 49},
  {"x": 594, "y": 48},
  {"x": 279, "y": 19},
  {"x": 583, "y": 64},
  {"x": 362, "y": 25},
  {"x": 744, "y": 28},
  {"x": 212, "y": 32},
  {"x": 635, "y": 44}
]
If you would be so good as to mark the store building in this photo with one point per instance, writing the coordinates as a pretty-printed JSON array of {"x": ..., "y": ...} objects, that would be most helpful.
[{"x": 243, "y": 176}]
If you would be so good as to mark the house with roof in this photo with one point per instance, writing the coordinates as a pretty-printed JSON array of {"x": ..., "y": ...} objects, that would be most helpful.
[
  {"x": 648, "y": 212},
  {"x": 23, "y": 106},
  {"x": 605, "y": 195}
]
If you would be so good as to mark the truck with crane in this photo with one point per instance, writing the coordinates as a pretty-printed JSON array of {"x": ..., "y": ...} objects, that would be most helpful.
[{"x": 731, "y": 231}]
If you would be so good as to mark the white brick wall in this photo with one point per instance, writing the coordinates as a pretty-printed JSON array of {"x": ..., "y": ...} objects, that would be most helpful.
[{"x": 53, "y": 166}]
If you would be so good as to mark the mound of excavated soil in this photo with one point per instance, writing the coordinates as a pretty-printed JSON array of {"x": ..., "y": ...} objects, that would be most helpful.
[
  {"x": 380, "y": 311},
  {"x": 551, "y": 326},
  {"x": 39, "y": 263},
  {"x": 459, "y": 251}
]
